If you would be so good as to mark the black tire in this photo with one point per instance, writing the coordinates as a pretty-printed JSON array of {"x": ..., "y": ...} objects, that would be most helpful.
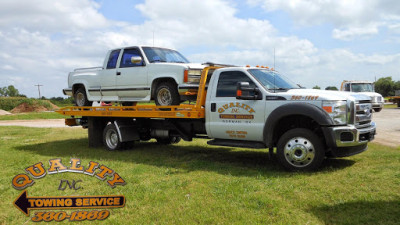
[
  {"x": 168, "y": 141},
  {"x": 111, "y": 139},
  {"x": 81, "y": 98},
  {"x": 300, "y": 149},
  {"x": 377, "y": 109},
  {"x": 167, "y": 94}
]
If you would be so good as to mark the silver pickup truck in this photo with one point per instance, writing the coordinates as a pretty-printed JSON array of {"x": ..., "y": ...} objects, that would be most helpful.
[{"x": 138, "y": 73}]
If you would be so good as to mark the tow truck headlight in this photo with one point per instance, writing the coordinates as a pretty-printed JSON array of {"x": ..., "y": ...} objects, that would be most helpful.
[
  {"x": 192, "y": 76},
  {"x": 337, "y": 110}
]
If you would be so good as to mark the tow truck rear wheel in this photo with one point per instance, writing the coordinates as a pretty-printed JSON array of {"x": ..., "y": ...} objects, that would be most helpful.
[
  {"x": 300, "y": 149},
  {"x": 111, "y": 139},
  {"x": 168, "y": 141}
]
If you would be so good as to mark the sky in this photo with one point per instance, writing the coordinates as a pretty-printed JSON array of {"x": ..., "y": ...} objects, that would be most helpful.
[{"x": 315, "y": 42}]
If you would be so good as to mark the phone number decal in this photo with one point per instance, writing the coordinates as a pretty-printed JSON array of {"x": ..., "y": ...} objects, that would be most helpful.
[{"x": 74, "y": 216}]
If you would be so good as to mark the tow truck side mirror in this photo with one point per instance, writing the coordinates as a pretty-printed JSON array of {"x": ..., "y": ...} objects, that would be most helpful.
[{"x": 245, "y": 92}]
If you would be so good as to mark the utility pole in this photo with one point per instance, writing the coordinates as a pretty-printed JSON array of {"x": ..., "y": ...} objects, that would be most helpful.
[{"x": 38, "y": 87}]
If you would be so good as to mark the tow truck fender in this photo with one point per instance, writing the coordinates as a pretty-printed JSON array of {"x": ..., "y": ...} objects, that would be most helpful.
[{"x": 293, "y": 109}]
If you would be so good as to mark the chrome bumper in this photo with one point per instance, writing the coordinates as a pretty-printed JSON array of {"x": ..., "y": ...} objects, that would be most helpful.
[
  {"x": 377, "y": 105},
  {"x": 360, "y": 136},
  {"x": 67, "y": 91}
]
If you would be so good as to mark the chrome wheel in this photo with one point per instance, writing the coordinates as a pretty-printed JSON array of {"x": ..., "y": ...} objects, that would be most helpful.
[
  {"x": 299, "y": 152},
  {"x": 164, "y": 96},
  {"x": 112, "y": 140}
]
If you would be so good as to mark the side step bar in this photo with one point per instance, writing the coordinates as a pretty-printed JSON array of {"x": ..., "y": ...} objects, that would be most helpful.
[{"x": 237, "y": 143}]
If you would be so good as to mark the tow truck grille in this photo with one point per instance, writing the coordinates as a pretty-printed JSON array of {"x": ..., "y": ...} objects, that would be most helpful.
[{"x": 363, "y": 114}]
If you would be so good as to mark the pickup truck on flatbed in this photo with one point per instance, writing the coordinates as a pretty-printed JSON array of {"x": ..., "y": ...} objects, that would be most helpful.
[
  {"x": 137, "y": 73},
  {"x": 249, "y": 107}
]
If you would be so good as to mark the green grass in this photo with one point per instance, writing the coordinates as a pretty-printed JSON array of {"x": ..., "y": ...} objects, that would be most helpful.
[
  {"x": 33, "y": 116},
  {"x": 192, "y": 183},
  {"x": 390, "y": 106}
]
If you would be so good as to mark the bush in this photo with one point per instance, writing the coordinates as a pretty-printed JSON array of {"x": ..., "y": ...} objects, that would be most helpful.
[{"x": 8, "y": 103}]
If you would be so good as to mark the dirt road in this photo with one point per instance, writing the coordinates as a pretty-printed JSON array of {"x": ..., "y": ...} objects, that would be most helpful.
[
  {"x": 34, "y": 123},
  {"x": 388, "y": 126}
]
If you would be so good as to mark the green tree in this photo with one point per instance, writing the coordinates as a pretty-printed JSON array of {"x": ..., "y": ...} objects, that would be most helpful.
[
  {"x": 10, "y": 91},
  {"x": 397, "y": 85},
  {"x": 331, "y": 88},
  {"x": 385, "y": 86},
  {"x": 316, "y": 87}
]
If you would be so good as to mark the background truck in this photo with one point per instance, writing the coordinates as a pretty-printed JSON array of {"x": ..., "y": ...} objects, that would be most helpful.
[
  {"x": 137, "y": 73},
  {"x": 247, "y": 107},
  {"x": 395, "y": 99},
  {"x": 366, "y": 88}
]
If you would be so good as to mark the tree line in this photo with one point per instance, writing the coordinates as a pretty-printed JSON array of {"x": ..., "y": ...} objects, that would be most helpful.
[{"x": 384, "y": 86}]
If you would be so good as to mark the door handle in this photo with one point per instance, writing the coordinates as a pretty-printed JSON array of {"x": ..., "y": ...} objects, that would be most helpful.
[
  {"x": 213, "y": 107},
  {"x": 118, "y": 73}
]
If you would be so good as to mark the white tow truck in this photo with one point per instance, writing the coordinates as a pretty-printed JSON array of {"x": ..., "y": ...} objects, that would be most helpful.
[{"x": 248, "y": 107}]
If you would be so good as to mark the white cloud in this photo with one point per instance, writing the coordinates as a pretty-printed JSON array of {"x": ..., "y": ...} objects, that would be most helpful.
[
  {"x": 353, "y": 32},
  {"x": 43, "y": 40},
  {"x": 351, "y": 18}
]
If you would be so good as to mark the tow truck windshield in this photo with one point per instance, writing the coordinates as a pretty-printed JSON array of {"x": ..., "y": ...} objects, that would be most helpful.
[
  {"x": 272, "y": 80},
  {"x": 155, "y": 55}
]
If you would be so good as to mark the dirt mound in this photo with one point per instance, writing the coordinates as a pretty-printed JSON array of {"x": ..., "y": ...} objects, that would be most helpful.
[
  {"x": 3, "y": 112},
  {"x": 25, "y": 107}
]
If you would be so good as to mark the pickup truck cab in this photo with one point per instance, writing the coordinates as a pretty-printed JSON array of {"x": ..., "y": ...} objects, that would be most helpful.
[
  {"x": 249, "y": 107},
  {"x": 137, "y": 73},
  {"x": 366, "y": 88}
]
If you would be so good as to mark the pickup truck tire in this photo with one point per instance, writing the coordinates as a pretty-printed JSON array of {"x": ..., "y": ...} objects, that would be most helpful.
[
  {"x": 300, "y": 149},
  {"x": 168, "y": 141},
  {"x": 111, "y": 139},
  {"x": 81, "y": 98},
  {"x": 166, "y": 94},
  {"x": 377, "y": 109}
]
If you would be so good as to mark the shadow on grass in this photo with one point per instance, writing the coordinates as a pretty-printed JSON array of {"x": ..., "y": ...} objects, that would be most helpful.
[
  {"x": 360, "y": 212},
  {"x": 224, "y": 160}
]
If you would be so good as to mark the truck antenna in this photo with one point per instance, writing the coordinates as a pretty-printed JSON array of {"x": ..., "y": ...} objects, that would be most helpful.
[
  {"x": 153, "y": 38},
  {"x": 274, "y": 74}
]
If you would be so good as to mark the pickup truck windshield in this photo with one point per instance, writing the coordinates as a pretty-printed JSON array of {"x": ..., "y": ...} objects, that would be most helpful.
[
  {"x": 362, "y": 87},
  {"x": 272, "y": 80},
  {"x": 155, "y": 55}
]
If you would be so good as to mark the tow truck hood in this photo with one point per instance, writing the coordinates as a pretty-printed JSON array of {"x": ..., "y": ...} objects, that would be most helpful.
[{"x": 326, "y": 95}]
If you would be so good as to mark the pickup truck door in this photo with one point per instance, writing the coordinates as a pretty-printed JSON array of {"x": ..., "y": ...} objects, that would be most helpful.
[
  {"x": 107, "y": 78},
  {"x": 231, "y": 118},
  {"x": 131, "y": 78}
]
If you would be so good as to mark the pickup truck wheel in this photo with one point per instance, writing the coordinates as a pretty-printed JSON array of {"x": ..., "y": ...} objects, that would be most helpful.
[
  {"x": 300, "y": 150},
  {"x": 168, "y": 141},
  {"x": 81, "y": 98},
  {"x": 111, "y": 139},
  {"x": 167, "y": 94}
]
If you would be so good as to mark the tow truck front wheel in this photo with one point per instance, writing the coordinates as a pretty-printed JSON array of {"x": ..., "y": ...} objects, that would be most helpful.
[{"x": 300, "y": 150}]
